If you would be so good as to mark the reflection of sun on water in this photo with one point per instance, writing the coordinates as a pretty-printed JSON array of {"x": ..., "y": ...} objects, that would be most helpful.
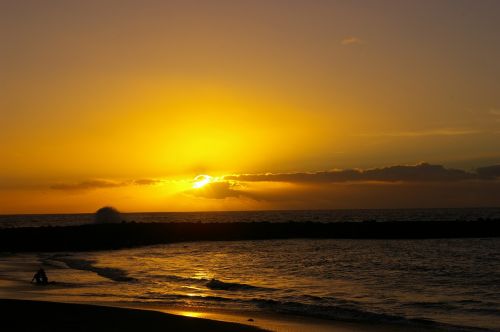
[{"x": 201, "y": 180}]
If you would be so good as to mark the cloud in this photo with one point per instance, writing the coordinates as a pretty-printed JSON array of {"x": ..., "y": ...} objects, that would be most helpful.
[
  {"x": 489, "y": 171},
  {"x": 352, "y": 41},
  {"x": 420, "y": 185},
  {"x": 146, "y": 182},
  {"x": 88, "y": 185},
  {"x": 424, "y": 133},
  {"x": 377, "y": 195},
  {"x": 402, "y": 173},
  {"x": 402, "y": 186},
  {"x": 102, "y": 184},
  {"x": 495, "y": 112},
  {"x": 218, "y": 190}
]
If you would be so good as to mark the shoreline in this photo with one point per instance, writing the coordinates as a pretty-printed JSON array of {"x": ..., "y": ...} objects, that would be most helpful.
[
  {"x": 31, "y": 315},
  {"x": 55, "y": 316},
  {"x": 282, "y": 322},
  {"x": 28, "y": 299}
]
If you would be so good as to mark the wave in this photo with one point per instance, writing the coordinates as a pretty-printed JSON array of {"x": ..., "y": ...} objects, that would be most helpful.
[
  {"x": 356, "y": 315},
  {"x": 463, "y": 306},
  {"x": 121, "y": 275},
  {"x": 175, "y": 278},
  {"x": 111, "y": 273},
  {"x": 179, "y": 298},
  {"x": 215, "y": 284},
  {"x": 330, "y": 312}
]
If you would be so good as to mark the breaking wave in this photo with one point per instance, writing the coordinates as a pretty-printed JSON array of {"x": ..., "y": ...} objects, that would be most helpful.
[{"x": 111, "y": 273}]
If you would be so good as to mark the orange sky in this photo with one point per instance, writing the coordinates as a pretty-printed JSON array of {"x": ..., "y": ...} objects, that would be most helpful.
[{"x": 124, "y": 103}]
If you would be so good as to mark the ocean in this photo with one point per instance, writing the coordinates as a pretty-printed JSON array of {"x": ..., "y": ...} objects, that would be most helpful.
[{"x": 445, "y": 283}]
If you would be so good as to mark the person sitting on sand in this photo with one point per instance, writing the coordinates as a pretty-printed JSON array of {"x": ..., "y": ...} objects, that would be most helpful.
[{"x": 40, "y": 277}]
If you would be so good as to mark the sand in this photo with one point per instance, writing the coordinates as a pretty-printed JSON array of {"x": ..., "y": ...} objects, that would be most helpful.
[
  {"x": 44, "y": 316},
  {"x": 23, "y": 315}
]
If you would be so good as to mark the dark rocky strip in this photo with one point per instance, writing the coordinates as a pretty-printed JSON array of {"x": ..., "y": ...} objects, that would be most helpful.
[{"x": 115, "y": 236}]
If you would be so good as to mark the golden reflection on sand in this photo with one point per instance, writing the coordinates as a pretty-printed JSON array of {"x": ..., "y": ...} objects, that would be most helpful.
[{"x": 189, "y": 313}]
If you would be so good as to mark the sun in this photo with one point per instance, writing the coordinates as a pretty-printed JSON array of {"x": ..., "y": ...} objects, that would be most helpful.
[{"x": 201, "y": 180}]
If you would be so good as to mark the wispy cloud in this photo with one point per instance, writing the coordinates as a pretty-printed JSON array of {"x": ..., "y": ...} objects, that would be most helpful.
[
  {"x": 146, "y": 182},
  {"x": 352, "y": 41},
  {"x": 495, "y": 111},
  {"x": 426, "y": 133},
  {"x": 88, "y": 185},
  {"x": 102, "y": 184}
]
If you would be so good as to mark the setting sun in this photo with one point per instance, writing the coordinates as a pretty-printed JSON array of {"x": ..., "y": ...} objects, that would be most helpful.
[{"x": 201, "y": 180}]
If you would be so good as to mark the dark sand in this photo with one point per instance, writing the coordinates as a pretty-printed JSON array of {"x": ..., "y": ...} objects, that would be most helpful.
[{"x": 22, "y": 315}]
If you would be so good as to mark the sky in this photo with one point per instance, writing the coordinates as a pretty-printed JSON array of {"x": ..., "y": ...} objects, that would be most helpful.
[{"x": 247, "y": 105}]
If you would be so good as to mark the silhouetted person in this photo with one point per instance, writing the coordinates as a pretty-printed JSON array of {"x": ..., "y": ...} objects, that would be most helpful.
[{"x": 40, "y": 277}]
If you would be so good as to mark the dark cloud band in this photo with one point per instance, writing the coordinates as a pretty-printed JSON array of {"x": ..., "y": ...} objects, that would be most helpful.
[{"x": 415, "y": 173}]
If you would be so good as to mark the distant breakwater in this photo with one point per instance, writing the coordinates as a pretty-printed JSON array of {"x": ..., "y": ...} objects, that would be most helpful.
[{"x": 131, "y": 234}]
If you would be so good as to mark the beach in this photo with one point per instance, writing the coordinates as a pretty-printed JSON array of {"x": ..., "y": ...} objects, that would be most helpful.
[
  {"x": 23, "y": 315},
  {"x": 28, "y": 315},
  {"x": 285, "y": 285},
  {"x": 24, "y": 308}
]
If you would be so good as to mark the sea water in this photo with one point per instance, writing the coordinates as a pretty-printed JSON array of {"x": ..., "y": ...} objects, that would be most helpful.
[{"x": 350, "y": 215}]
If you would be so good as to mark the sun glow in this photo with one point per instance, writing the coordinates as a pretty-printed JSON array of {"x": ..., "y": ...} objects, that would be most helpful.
[
  {"x": 201, "y": 180},
  {"x": 188, "y": 313}
]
